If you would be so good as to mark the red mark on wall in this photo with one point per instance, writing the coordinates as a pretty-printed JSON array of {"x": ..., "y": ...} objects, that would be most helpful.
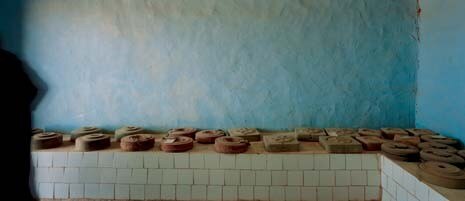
[{"x": 418, "y": 8}]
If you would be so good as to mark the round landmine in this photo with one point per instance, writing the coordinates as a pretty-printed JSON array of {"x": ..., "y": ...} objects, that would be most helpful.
[
  {"x": 92, "y": 142},
  {"x": 440, "y": 139},
  {"x": 208, "y": 136},
  {"x": 176, "y": 144},
  {"x": 186, "y": 132},
  {"x": 411, "y": 140},
  {"x": 231, "y": 145},
  {"x": 400, "y": 150},
  {"x": 86, "y": 130},
  {"x": 127, "y": 130},
  {"x": 369, "y": 132},
  {"x": 442, "y": 174},
  {"x": 461, "y": 153},
  {"x": 47, "y": 140},
  {"x": 37, "y": 131},
  {"x": 137, "y": 142},
  {"x": 437, "y": 146},
  {"x": 442, "y": 156}
]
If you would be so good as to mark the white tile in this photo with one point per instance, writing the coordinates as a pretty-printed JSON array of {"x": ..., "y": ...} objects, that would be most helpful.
[
  {"x": 277, "y": 193},
  {"x": 74, "y": 159},
  {"x": 397, "y": 174},
  {"x": 57, "y": 175},
  {"x": 374, "y": 178},
  {"x": 89, "y": 175},
  {"x": 337, "y": 161},
  {"x": 150, "y": 160},
  {"x": 279, "y": 178},
  {"x": 168, "y": 192},
  {"x": 321, "y": 161},
  {"x": 311, "y": 178},
  {"x": 199, "y": 192},
  {"x": 357, "y": 193},
  {"x": 152, "y": 192},
  {"x": 166, "y": 160},
  {"x": 353, "y": 161},
  {"x": 61, "y": 191},
  {"x": 370, "y": 162},
  {"x": 421, "y": 191},
  {"x": 216, "y": 177},
  {"x": 139, "y": 176},
  {"x": 261, "y": 192},
  {"x": 170, "y": 176},
  {"x": 308, "y": 194},
  {"x": 246, "y": 192},
  {"x": 295, "y": 178},
  {"x": 105, "y": 159},
  {"x": 107, "y": 191},
  {"x": 212, "y": 161},
  {"x": 274, "y": 162},
  {"x": 214, "y": 193},
  {"x": 306, "y": 161},
  {"x": 292, "y": 193},
  {"x": 230, "y": 193},
  {"x": 60, "y": 159},
  {"x": 135, "y": 160},
  {"x": 410, "y": 197},
  {"x": 243, "y": 161},
  {"x": 259, "y": 161},
  {"x": 358, "y": 177},
  {"x": 91, "y": 191},
  {"x": 263, "y": 178},
  {"x": 227, "y": 161},
  {"x": 385, "y": 196},
  {"x": 121, "y": 191},
  {"x": 107, "y": 175},
  {"x": 123, "y": 175},
  {"x": 186, "y": 176},
  {"x": 342, "y": 178},
  {"x": 201, "y": 177},
  {"x": 291, "y": 162},
  {"x": 45, "y": 160},
  {"x": 232, "y": 177},
  {"x": 71, "y": 175},
  {"x": 341, "y": 193},
  {"x": 34, "y": 159},
  {"x": 41, "y": 174},
  {"x": 327, "y": 178},
  {"x": 196, "y": 160},
  {"x": 392, "y": 186},
  {"x": 435, "y": 196},
  {"x": 76, "y": 191},
  {"x": 387, "y": 166},
  {"x": 183, "y": 192},
  {"x": 120, "y": 160},
  {"x": 247, "y": 177},
  {"x": 372, "y": 193},
  {"x": 401, "y": 193},
  {"x": 155, "y": 176},
  {"x": 89, "y": 159},
  {"x": 409, "y": 182},
  {"x": 181, "y": 160},
  {"x": 384, "y": 179},
  {"x": 325, "y": 193}
]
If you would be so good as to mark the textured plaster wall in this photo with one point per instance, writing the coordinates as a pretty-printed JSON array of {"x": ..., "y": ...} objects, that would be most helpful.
[
  {"x": 441, "y": 74},
  {"x": 272, "y": 64}
]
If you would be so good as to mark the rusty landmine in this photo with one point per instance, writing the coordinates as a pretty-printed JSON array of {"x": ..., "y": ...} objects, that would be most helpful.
[
  {"x": 127, "y": 130},
  {"x": 37, "y": 131},
  {"x": 249, "y": 134},
  {"x": 92, "y": 142},
  {"x": 370, "y": 143},
  {"x": 369, "y": 132},
  {"x": 420, "y": 131},
  {"x": 401, "y": 150},
  {"x": 437, "y": 146},
  {"x": 341, "y": 144},
  {"x": 389, "y": 133},
  {"x": 86, "y": 130},
  {"x": 186, "y": 132},
  {"x": 176, "y": 144},
  {"x": 309, "y": 134},
  {"x": 208, "y": 136},
  {"x": 442, "y": 156},
  {"x": 411, "y": 140},
  {"x": 231, "y": 145},
  {"x": 137, "y": 142},
  {"x": 342, "y": 132},
  {"x": 440, "y": 139},
  {"x": 47, "y": 140},
  {"x": 281, "y": 143},
  {"x": 442, "y": 174}
]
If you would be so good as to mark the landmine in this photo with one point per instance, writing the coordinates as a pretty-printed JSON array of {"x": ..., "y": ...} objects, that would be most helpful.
[
  {"x": 249, "y": 134},
  {"x": 442, "y": 156},
  {"x": 440, "y": 139},
  {"x": 281, "y": 143},
  {"x": 370, "y": 143},
  {"x": 126, "y": 131},
  {"x": 369, "y": 132},
  {"x": 309, "y": 134},
  {"x": 461, "y": 153},
  {"x": 186, "y": 132},
  {"x": 92, "y": 142},
  {"x": 37, "y": 131},
  {"x": 341, "y": 144},
  {"x": 342, "y": 132},
  {"x": 420, "y": 131},
  {"x": 86, "y": 130},
  {"x": 400, "y": 151},
  {"x": 389, "y": 133},
  {"x": 208, "y": 136},
  {"x": 47, "y": 140},
  {"x": 411, "y": 140},
  {"x": 176, "y": 144},
  {"x": 137, "y": 142},
  {"x": 442, "y": 174},
  {"x": 437, "y": 146},
  {"x": 231, "y": 145}
]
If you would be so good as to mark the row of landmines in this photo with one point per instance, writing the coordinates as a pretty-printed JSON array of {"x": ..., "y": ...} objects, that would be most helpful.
[{"x": 441, "y": 161}]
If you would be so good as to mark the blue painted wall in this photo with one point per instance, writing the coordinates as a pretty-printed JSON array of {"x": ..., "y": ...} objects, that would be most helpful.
[
  {"x": 218, "y": 64},
  {"x": 441, "y": 74},
  {"x": 11, "y": 25}
]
